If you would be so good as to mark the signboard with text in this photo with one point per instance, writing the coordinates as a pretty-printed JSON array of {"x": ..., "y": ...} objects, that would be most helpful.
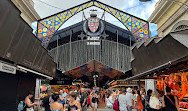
[
  {"x": 96, "y": 88},
  {"x": 93, "y": 41},
  {"x": 150, "y": 84},
  {"x": 131, "y": 83},
  {"x": 7, "y": 68}
]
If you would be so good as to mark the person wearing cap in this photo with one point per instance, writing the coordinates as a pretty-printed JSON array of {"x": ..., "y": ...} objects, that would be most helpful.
[
  {"x": 47, "y": 101},
  {"x": 123, "y": 101},
  {"x": 130, "y": 98}
]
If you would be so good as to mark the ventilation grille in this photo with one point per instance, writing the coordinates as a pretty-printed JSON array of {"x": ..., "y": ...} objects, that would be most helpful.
[{"x": 181, "y": 27}]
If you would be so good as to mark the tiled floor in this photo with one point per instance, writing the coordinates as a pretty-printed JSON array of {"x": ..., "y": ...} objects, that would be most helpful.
[
  {"x": 100, "y": 109},
  {"x": 104, "y": 109}
]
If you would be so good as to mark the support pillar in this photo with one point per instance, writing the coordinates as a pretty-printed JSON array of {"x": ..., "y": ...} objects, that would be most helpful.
[{"x": 37, "y": 94}]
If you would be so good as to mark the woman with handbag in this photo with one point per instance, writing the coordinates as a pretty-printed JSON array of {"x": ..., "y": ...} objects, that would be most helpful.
[
  {"x": 109, "y": 101},
  {"x": 28, "y": 104},
  {"x": 169, "y": 101}
]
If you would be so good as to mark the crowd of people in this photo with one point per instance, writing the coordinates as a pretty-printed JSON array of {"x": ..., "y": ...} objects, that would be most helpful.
[
  {"x": 128, "y": 99},
  {"x": 73, "y": 101},
  {"x": 134, "y": 99}
]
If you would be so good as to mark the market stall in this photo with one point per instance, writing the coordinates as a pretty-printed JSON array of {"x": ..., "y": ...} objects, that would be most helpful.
[
  {"x": 67, "y": 88},
  {"x": 178, "y": 82},
  {"x": 120, "y": 84}
]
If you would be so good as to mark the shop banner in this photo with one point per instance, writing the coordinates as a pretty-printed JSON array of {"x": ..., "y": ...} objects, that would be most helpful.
[
  {"x": 96, "y": 88},
  {"x": 127, "y": 83},
  {"x": 7, "y": 68},
  {"x": 150, "y": 84}
]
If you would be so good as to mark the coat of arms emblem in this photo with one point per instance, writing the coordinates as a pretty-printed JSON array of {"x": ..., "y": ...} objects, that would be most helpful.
[{"x": 93, "y": 24}]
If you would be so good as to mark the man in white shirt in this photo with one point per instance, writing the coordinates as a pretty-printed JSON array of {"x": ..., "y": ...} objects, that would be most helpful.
[
  {"x": 123, "y": 101},
  {"x": 129, "y": 97}
]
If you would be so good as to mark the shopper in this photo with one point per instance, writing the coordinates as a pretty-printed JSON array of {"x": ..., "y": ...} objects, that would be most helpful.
[
  {"x": 103, "y": 97},
  {"x": 94, "y": 101},
  {"x": 147, "y": 98},
  {"x": 154, "y": 102},
  {"x": 78, "y": 97},
  {"x": 63, "y": 97},
  {"x": 88, "y": 100},
  {"x": 47, "y": 101},
  {"x": 123, "y": 101},
  {"x": 169, "y": 101},
  {"x": 83, "y": 99},
  {"x": 135, "y": 94},
  {"x": 116, "y": 94},
  {"x": 28, "y": 102},
  {"x": 143, "y": 95},
  {"x": 56, "y": 106},
  {"x": 139, "y": 104},
  {"x": 129, "y": 97},
  {"x": 109, "y": 101},
  {"x": 73, "y": 104}
]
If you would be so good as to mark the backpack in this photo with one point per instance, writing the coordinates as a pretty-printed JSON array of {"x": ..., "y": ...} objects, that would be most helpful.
[
  {"x": 116, "y": 105},
  {"x": 21, "y": 105}
]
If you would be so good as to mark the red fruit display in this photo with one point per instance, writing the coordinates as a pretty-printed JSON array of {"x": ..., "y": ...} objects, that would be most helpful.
[
  {"x": 177, "y": 77},
  {"x": 177, "y": 87},
  {"x": 184, "y": 85},
  {"x": 160, "y": 84},
  {"x": 183, "y": 105}
]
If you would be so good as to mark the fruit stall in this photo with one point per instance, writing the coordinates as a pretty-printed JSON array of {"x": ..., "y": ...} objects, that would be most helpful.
[{"x": 57, "y": 88}]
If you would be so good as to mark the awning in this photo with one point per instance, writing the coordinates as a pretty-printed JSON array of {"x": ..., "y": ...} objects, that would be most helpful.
[
  {"x": 159, "y": 53},
  {"x": 114, "y": 83}
]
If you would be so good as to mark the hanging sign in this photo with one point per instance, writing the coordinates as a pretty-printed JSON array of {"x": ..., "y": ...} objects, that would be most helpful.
[
  {"x": 93, "y": 38},
  {"x": 127, "y": 83},
  {"x": 7, "y": 68},
  {"x": 93, "y": 43},
  {"x": 150, "y": 84},
  {"x": 96, "y": 88}
]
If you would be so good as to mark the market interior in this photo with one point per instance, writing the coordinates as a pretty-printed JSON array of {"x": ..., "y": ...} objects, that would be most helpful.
[{"x": 94, "y": 54}]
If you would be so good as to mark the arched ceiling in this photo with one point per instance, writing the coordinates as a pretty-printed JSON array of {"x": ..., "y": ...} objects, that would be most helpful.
[{"x": 49, "y": 25}]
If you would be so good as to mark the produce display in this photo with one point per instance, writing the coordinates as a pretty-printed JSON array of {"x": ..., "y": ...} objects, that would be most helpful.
[
  {"x": 172, "y": 81},
  {"x": 183, "y": 105},
  {"x": 184, "y": 84},
  {"x": 178, "y": 82},
  {"x": 160, "y": 84}
]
